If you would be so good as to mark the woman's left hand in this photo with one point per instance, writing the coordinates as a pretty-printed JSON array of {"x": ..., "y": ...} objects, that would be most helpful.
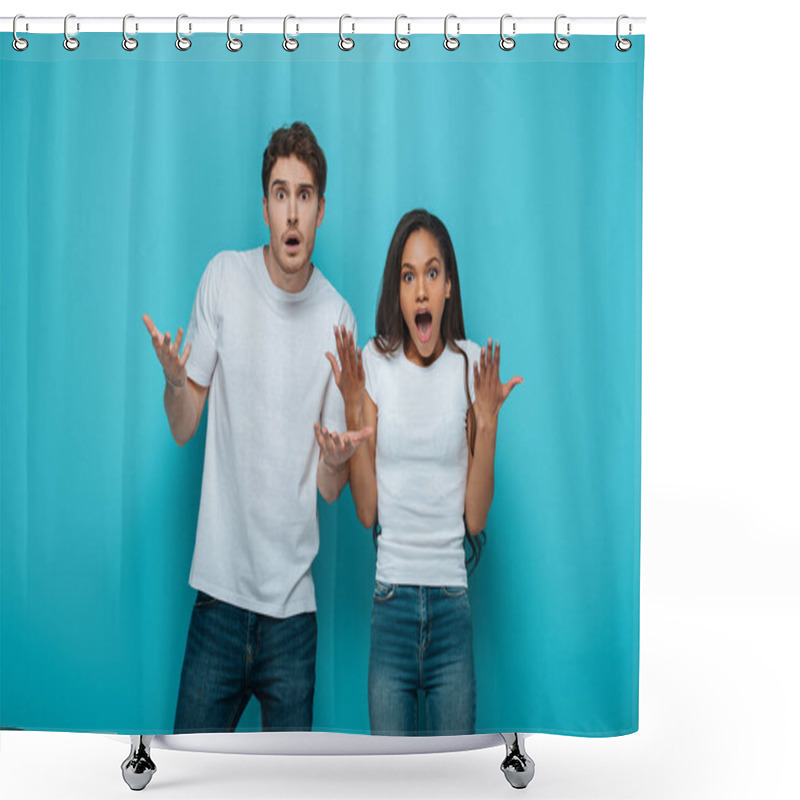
[{"x": 490, "y": 393}]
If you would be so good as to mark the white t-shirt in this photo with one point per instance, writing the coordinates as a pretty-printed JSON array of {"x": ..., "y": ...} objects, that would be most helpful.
[
  {"x": 262, "y": 352},
  {"x": 421, "y": 461}
]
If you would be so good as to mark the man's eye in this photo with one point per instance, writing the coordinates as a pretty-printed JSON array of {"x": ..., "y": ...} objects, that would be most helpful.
[
  {"x": 280, "y": 195},
  {"x": 304, "y": 195}
]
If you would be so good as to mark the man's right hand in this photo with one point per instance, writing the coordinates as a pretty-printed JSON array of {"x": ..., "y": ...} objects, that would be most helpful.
[{"x": 169, "y": 353}]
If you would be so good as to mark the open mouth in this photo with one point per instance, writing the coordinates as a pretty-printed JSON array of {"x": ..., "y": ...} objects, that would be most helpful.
[
  {"x": 292, "y": 242},
  {"x": 424, "y": 322}
]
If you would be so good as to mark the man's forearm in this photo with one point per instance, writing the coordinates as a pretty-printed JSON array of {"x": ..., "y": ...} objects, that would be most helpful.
[
  {"x": 331, "y": 480},
  {"x": 181, "y": 412}
]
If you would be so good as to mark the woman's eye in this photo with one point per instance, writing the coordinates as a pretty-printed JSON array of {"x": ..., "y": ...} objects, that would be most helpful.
[
  {"x": 433, "y": 272},
  {"x": 407, "y": 277}
]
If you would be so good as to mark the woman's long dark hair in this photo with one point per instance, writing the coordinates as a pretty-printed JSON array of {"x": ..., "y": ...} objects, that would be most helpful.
[{"x": 392, "y": 332}]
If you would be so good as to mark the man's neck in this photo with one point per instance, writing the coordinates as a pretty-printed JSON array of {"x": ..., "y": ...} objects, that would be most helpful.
[{"x": 287, "y": 282}]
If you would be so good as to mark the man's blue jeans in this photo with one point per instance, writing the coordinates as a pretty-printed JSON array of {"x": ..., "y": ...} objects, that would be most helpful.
[
  {"x": 232, "y": 654},
  {"x": 421, "y": 642}
]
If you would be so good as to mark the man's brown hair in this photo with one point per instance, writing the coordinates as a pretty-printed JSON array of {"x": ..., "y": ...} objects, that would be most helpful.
[{"x": 296, "y": 140}]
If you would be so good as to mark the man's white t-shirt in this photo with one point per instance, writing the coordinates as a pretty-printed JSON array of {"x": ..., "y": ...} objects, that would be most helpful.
[
  {"x": 421, "y": 460},
  {"x": 262, "y": 352}
]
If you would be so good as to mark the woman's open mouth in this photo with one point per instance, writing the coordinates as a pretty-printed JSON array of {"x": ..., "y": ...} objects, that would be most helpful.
[{"x": 424, "y": 322}]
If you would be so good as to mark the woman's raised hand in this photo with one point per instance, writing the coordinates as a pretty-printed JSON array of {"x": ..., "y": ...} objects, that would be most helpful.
[
  {"x": 169, "y": 353},
  {"x": 350, "y": 377},
  {"x": 490, "y": 393}
]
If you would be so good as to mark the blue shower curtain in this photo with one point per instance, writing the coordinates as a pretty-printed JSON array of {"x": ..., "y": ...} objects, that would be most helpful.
[{"x": 123, "y": 173}]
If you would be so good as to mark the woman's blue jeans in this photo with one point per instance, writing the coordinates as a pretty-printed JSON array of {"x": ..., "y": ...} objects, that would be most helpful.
[
  {"x": 421, "y": 646},
  {"x": 232, "y": 654}
]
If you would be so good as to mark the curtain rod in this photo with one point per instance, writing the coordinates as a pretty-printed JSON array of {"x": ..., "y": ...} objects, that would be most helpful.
[{"x": 513, "y": 26}]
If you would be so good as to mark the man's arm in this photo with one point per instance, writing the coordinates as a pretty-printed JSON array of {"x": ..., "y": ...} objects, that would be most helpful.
[
  {"x": 333, "y": 468},
  {"x": 331, "y": 479},
  {"x": 184, "y": 406},
  {"x": 183, "y": 398}
]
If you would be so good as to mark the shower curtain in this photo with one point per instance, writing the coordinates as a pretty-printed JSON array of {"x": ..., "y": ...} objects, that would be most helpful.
[{"x": 124, "y": 173}]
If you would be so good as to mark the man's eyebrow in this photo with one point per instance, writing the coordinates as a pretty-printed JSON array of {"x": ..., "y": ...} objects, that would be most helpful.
[{"x": 308, "y": 187}]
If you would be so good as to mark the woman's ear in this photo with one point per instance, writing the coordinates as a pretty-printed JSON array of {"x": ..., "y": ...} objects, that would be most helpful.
[{"x": 447, "y": 289}]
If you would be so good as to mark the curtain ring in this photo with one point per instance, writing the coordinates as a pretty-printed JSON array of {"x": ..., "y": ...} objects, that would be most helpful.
[
  {"x": 129, "y": 43},
  {"x": 19, "y": 44},
  {"x": 507, "y": 42},
  {"x": 70, "y": 42},
  {"x": 400, "y": 42},
  {"x": 623, "y": 45},
  {"x": 233, "y": 44},
  {"x": 451, "y": 42},
  {"x": 561, "y": 44},
  {"x": 181, "y": 42},
  {"x": 289, "y": 44},
  {"x": 345, "y": 42}
]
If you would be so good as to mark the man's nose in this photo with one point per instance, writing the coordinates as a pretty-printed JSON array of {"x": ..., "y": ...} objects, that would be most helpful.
[{"x": 292, "y": 208}]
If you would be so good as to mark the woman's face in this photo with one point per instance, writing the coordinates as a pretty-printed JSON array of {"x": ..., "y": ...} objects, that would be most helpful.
[{"x": 423, "y": 291}]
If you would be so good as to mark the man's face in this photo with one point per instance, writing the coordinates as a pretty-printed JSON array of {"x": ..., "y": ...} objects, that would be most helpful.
[{"x": 293, "y": 210}]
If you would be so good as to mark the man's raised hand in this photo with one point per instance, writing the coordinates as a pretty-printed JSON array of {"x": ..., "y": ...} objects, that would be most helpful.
[{"x": 169, "y": 353}]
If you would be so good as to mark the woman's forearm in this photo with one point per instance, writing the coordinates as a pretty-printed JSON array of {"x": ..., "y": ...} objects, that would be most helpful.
[
  {"x": 363, "y": 483},
  {"x": 480, "y": 481}
]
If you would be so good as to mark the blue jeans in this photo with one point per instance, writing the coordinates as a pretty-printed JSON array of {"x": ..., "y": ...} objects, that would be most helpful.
[
  {"x": 232, "y": 654},
  {"x": 421, "y": 642}
]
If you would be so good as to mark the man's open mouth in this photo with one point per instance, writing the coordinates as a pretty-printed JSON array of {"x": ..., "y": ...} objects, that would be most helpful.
[
  {"x": 292, "y": 241},
  {"x": 424, "y": 322}
]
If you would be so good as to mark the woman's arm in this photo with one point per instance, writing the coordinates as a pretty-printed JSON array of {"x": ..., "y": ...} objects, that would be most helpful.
[
  {"x": 363, "y": 483},
  {"x": 490, "y": 395}
]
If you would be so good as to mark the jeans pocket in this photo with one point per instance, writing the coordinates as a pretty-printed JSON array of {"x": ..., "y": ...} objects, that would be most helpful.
[
  {"x": 454, "y": 591},
  {"x": 205, "y": 601},
  {"x": 384, "y": 591}
]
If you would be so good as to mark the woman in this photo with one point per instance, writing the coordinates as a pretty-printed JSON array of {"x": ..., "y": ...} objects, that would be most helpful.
[{"x": 432, "y": 399}]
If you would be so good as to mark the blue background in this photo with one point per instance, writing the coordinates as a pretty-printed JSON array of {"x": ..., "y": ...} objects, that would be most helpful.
[{"x": 122, "y": 174}]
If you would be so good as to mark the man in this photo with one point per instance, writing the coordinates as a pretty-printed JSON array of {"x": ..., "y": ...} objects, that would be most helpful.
[{"x": 261, "y": 324}]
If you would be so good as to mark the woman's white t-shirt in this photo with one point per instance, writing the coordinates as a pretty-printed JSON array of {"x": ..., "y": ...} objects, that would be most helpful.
[{"x": 421, "y": 463}]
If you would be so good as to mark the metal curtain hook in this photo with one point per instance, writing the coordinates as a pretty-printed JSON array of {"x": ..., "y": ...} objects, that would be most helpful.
[
  {"x": 623, "y": 45},
  {"x": 289, "y": 43},
  {"x": 561, "y": 43},
  {"x": 19, "y": 44},
  {"x": 451, "y": 42},
  {"x": 181, "y": 42},
  {"x": 70, "y": 42},
  {"x": 400, "y": 42},
  {"x": 128, "y": 42},
  {"x": 507, "y": 42},
  {"x": 233, "y": 44},
  {"x": 345, "y": 42}
]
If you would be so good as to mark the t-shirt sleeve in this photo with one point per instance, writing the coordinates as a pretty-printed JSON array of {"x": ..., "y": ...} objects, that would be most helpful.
[
  {"x": 202, "y": 330},
  {"x": 370, "y": 379},
  {"x": 473, "y": 355},
  {"x": 333, "y": 406}
]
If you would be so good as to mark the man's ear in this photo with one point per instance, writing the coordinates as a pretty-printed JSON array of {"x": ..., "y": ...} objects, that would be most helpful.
[
  {"x": 320, "y": 211},
  {"x": 266, "y": 211}
]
